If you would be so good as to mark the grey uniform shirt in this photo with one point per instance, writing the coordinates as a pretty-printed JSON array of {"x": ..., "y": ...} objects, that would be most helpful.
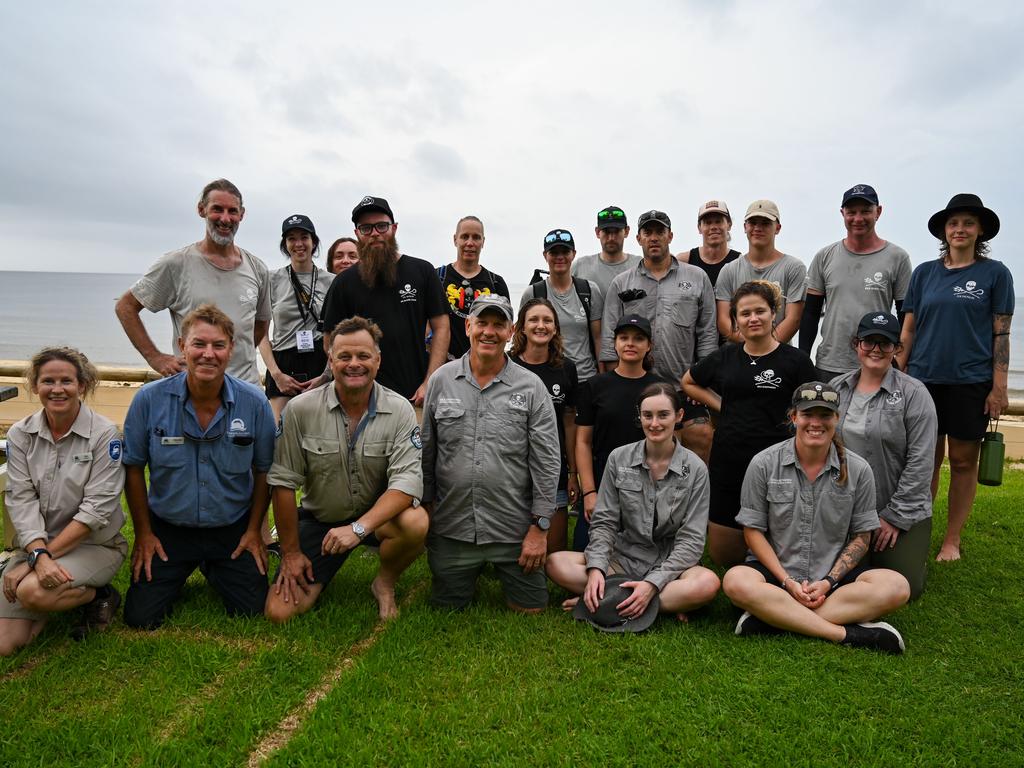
[
  {"x": 898, "y": 441},
  {"x": 288, "y": 319},
  {"x": 490, "y": 457},
  {"x": 344, "y": 468},
  {"x": 653, "y": 531},
  {"x": 807, "y": 524},
  {"x": 183, "y": 279},
  {"x": 681, "y": 308},
  {"x": 788, "y": 273},
  {"x": 854, "y": 284},
  {"x": 79, "y": 477},
  {"x": 572, "y": 319},
  {"x": 601, "y": 272}
]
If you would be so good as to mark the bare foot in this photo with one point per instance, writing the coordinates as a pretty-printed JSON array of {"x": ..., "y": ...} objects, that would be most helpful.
[
  {"x": 385, "y": 594},
  {"x": 948, "y": 553},
  {"x": 568, "y": 605},
  {"x": 682, "y": 617}
]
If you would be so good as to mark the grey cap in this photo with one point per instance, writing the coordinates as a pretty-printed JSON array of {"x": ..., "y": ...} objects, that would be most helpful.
[
  {"x": 607, "y": 618},
  {"x": 492, "y": 301}
]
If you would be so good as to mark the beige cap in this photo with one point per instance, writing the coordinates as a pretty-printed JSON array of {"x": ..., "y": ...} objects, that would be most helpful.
[
  {"x": 714, "y": 206},
  {"x": 765, "y": 208}
]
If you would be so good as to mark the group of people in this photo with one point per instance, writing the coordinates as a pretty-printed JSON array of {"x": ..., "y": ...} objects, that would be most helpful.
[{"x": 658, "y": 393}]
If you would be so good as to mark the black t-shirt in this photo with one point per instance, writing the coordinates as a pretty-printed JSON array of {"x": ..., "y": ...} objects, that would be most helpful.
[
  {"x": 561, "y": 383},
  {"x": 459, "y": 293},
  {"x": 755, "y": 396},
  {"x": 401, "y": 311},
  {"x": 712, "y": 270},
  {"x": 607, "y": 402}
]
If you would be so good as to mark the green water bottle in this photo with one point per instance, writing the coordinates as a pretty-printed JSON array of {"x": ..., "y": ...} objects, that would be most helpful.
[{"x": 990, "y": 463}]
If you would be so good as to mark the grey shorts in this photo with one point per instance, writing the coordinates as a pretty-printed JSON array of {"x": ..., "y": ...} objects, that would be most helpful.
[
  {"x": 456, "y": 566},
  {"x": 90, "y": 565}
]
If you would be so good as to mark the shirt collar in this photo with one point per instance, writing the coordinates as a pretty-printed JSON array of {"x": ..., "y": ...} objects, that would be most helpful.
[
  {"x": 180, "y": 388},
  {"x": 371, "y": 408},
  {"x": 82, "y": 425},
  {"x": 638, "y": 459},
  {"x": 673, "y": 266},
  {"x": 465, "y": 372},
  {"x": 789, "y": 454}
]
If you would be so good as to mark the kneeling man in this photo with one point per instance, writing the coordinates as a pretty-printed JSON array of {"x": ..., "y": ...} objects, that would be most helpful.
[
  {"x": 490, "y": 467},
  {"x": 353, "y": 446}
]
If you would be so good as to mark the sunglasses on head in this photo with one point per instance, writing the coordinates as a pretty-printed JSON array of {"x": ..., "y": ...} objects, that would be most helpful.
[
  {"x": 611, "y": 213},
  {"x": 810, "y": 395},
  {"x": 555, "y": 237}
]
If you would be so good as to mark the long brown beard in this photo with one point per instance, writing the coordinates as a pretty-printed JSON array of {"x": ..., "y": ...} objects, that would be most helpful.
[{"x": 378, "y": 261}]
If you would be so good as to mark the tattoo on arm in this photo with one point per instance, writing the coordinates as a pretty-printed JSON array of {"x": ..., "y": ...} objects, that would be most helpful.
[
  {"x": 1001, "y": 342},
  {"x": 852, "y": 554}
]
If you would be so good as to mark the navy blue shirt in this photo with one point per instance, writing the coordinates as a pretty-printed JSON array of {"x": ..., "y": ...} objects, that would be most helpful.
[
  {"x": 953, "y": 311},
  {"x": 199, "y": 478}
]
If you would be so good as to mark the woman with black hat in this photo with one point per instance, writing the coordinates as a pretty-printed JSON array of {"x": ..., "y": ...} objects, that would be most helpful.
[
  {"x": 888, "y": 418},
  {"x": 295, "y": 357},
  {"x": 956, "y": 339}
]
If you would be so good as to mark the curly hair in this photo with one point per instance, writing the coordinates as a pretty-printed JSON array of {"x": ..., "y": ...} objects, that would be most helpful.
[{"x": 556, "y": 352}]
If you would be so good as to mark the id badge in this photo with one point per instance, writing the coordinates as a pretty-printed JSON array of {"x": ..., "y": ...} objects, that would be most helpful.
[{"x": 304, "y": 341}]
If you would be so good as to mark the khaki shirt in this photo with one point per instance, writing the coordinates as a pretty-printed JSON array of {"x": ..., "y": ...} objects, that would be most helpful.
[
  {"x": 340, "y": 479},
  {"x": 79, "y": 477},
  {"x": 808, "y": 524},
  {"x": 654, "y": 531},
  {"x": 490, "y": 456}
]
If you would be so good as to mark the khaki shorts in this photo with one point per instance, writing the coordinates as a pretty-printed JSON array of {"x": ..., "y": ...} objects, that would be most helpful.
[{"x": 90, "y": 565}]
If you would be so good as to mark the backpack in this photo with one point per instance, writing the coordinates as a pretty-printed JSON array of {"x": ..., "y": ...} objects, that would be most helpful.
[{"x": 582, "y": 287}]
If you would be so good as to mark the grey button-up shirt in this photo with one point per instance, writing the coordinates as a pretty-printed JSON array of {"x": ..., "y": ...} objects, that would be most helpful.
[
  {"x": 490, "y": 456},
  {"x": 681, "y": 308},
  {"x": 808, "y": 524},
  {"x": 898, "y": 442},
  {"x": 342, "y": 477},
  {"x": 653, "y": 531},
  {"x": 79, "y": 477}
]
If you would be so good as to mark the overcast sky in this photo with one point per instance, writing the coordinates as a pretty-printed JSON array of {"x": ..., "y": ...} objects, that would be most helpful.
[{"x": 528, "y": 115}]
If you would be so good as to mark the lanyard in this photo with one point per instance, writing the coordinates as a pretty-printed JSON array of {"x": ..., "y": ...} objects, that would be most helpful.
[{"x": 304, "y": 299}]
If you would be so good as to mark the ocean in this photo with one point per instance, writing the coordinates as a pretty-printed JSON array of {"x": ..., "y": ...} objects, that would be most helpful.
[{"x": 45, "y": 308}]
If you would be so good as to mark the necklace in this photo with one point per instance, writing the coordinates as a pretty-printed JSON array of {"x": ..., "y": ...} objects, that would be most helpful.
[{"x": 754, "y": 358}]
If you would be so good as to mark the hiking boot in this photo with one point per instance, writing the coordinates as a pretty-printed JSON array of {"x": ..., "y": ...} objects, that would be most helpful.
[
  {"x": 749, "y": 624},
  {"x": 98, "y": 613},
  {"x": 876, "y": 635}
]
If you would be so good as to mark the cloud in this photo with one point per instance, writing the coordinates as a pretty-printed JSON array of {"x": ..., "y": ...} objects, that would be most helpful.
[{"x": 439, "y": 162}]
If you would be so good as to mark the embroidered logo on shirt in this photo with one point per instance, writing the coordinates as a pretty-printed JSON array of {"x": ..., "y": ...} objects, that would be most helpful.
[
  {"x": 406, "y": 294},
  {"x": 249, "y": 296},
  {"x": 767, "y": 380},
  {"x": 237, "y": 425},
  {"x": 876, "y": 282},
  {"x": 517, "y": 400},
  {"x": 114, "y": 450},
  {"x": 557, "y": 395},
  {"x": 415, "y": 438},
  {"x": 686, "y": 285},
  {"x": 969, "y": 291},
  {"x": 895, "y": 398}
]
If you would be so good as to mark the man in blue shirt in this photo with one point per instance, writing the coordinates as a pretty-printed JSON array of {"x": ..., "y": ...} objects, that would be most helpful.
[{"x": 208, "y": 439}]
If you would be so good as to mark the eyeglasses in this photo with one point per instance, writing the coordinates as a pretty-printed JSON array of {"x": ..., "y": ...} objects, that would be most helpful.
[
  {"x": 380, "y": 227},
  {"x": 559, "y": 236},
  {"x": 611, "y": 213},
  {"x": 883, "y": 346},
  {"x": 810, "y": 395}
]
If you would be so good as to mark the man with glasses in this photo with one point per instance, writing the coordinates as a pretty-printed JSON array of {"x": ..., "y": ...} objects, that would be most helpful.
[
  {"x": 578, "y": 302},
  {"x": 679, "y": 300},
  {"x": 400, "y": 293},
  {"x": 601, "y": 268},
  {"x": 208, "y": 441},
  {"x": 859, "y": 274}
]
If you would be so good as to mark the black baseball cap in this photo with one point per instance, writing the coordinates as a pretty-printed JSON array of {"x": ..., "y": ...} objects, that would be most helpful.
[
  {"x": 298, "y": 221},
  {"x": 611, "y": 217},
  {"x": 370, "y": 203},
  {"x": 860, "y": 192},
  {"x": 653, "y": 217},
  {"x": 816, "y": 394},
  {"x": 557, "y": 237},
  {"x": 639, "y": 322},
  {"x": 879, "y": 324}
]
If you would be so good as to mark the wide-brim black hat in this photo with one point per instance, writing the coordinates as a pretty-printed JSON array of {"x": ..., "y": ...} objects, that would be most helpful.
[
  {"x": 607, "y": 618},
  {"x": 971, "y": 204}
]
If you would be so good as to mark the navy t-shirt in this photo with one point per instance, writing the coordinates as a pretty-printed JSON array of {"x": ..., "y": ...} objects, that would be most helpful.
[{"x": 953, "y": 311}]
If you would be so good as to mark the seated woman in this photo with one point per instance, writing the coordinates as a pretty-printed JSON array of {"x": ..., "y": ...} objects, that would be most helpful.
[
  {"x": 807, "y": 511},
  {"x": 64, "y": 499},
  {"x": 649, "y": 523},
  {"x": 889, "y": 418}
]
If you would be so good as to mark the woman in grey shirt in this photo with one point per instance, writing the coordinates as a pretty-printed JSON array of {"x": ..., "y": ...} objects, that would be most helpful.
[
  {"x": 889, "y": 418},
  {"x": 649, "y": 523}
]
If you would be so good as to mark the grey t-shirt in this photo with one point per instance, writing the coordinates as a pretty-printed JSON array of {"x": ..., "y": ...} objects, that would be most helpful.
[
  {"x": 288, "y": 318},
  {"x": 183, "y": 279},
  {"x": 574, "y": 325},
  {"x": 854, "y": 284},
  {"x": 788, "y": 273},
  {"x": 596, "y": 271}
]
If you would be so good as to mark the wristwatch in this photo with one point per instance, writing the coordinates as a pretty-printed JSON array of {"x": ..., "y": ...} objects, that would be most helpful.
[
  {"x": 544, "y": 523},
  {"x": 358, "y": 530},
  {"x": 832, "y": 581},
  {"x": 33, "y": 556}
]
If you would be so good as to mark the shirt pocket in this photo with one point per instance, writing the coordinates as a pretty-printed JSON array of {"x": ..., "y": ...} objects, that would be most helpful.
[
  {"x": 375, "y": 456},
  {"x": 171, "y": 456},
  {"x": 780, "y": 506},
  {"x": 840, "y": 505},
  {"x": 682, "y": 311},
  {"x": 511, "y": 425},
  {"x": 235, "y": 457},
  {"x": 323, "y": 455},
  {"x": 450, "y": 421}
]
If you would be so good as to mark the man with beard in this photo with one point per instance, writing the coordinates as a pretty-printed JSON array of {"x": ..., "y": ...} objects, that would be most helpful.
[
  {"x": 400, "y": 293},
  {"x": 212, "y": 271},
  {"x": 612, "y": 230}
]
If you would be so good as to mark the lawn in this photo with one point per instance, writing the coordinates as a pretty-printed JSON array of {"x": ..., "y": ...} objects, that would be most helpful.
[{"x": 485, "y": 687}]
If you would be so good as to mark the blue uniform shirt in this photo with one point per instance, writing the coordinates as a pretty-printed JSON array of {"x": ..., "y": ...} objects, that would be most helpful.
[{"x": 199, "y": 478}]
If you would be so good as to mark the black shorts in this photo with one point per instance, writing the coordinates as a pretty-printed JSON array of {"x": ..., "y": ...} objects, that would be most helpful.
[
  {"x": 301, "y": 366},
  {"x": 311, "y": 537},
  {"x": 847, "y": 579},
  {"x": 726, "y": 469},
  {"x": 694, "y": 410},
  {"x": 961, "y": 409}
]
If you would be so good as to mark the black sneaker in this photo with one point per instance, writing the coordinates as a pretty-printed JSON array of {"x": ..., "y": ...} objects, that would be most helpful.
[
  {"x": 97, "y": 614},
  {"x": 874, "y": 634},
  {"x": 749, "y": 624},
  {"x": 274, "y": 549}
]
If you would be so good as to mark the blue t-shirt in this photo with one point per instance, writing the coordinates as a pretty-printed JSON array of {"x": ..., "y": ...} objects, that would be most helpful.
[
  {"x": 953, "y": 311},
  {"x": 199, "y": 478}
]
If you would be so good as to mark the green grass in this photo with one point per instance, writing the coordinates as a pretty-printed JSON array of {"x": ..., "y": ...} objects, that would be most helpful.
[{"x": 485, "y": 687}]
